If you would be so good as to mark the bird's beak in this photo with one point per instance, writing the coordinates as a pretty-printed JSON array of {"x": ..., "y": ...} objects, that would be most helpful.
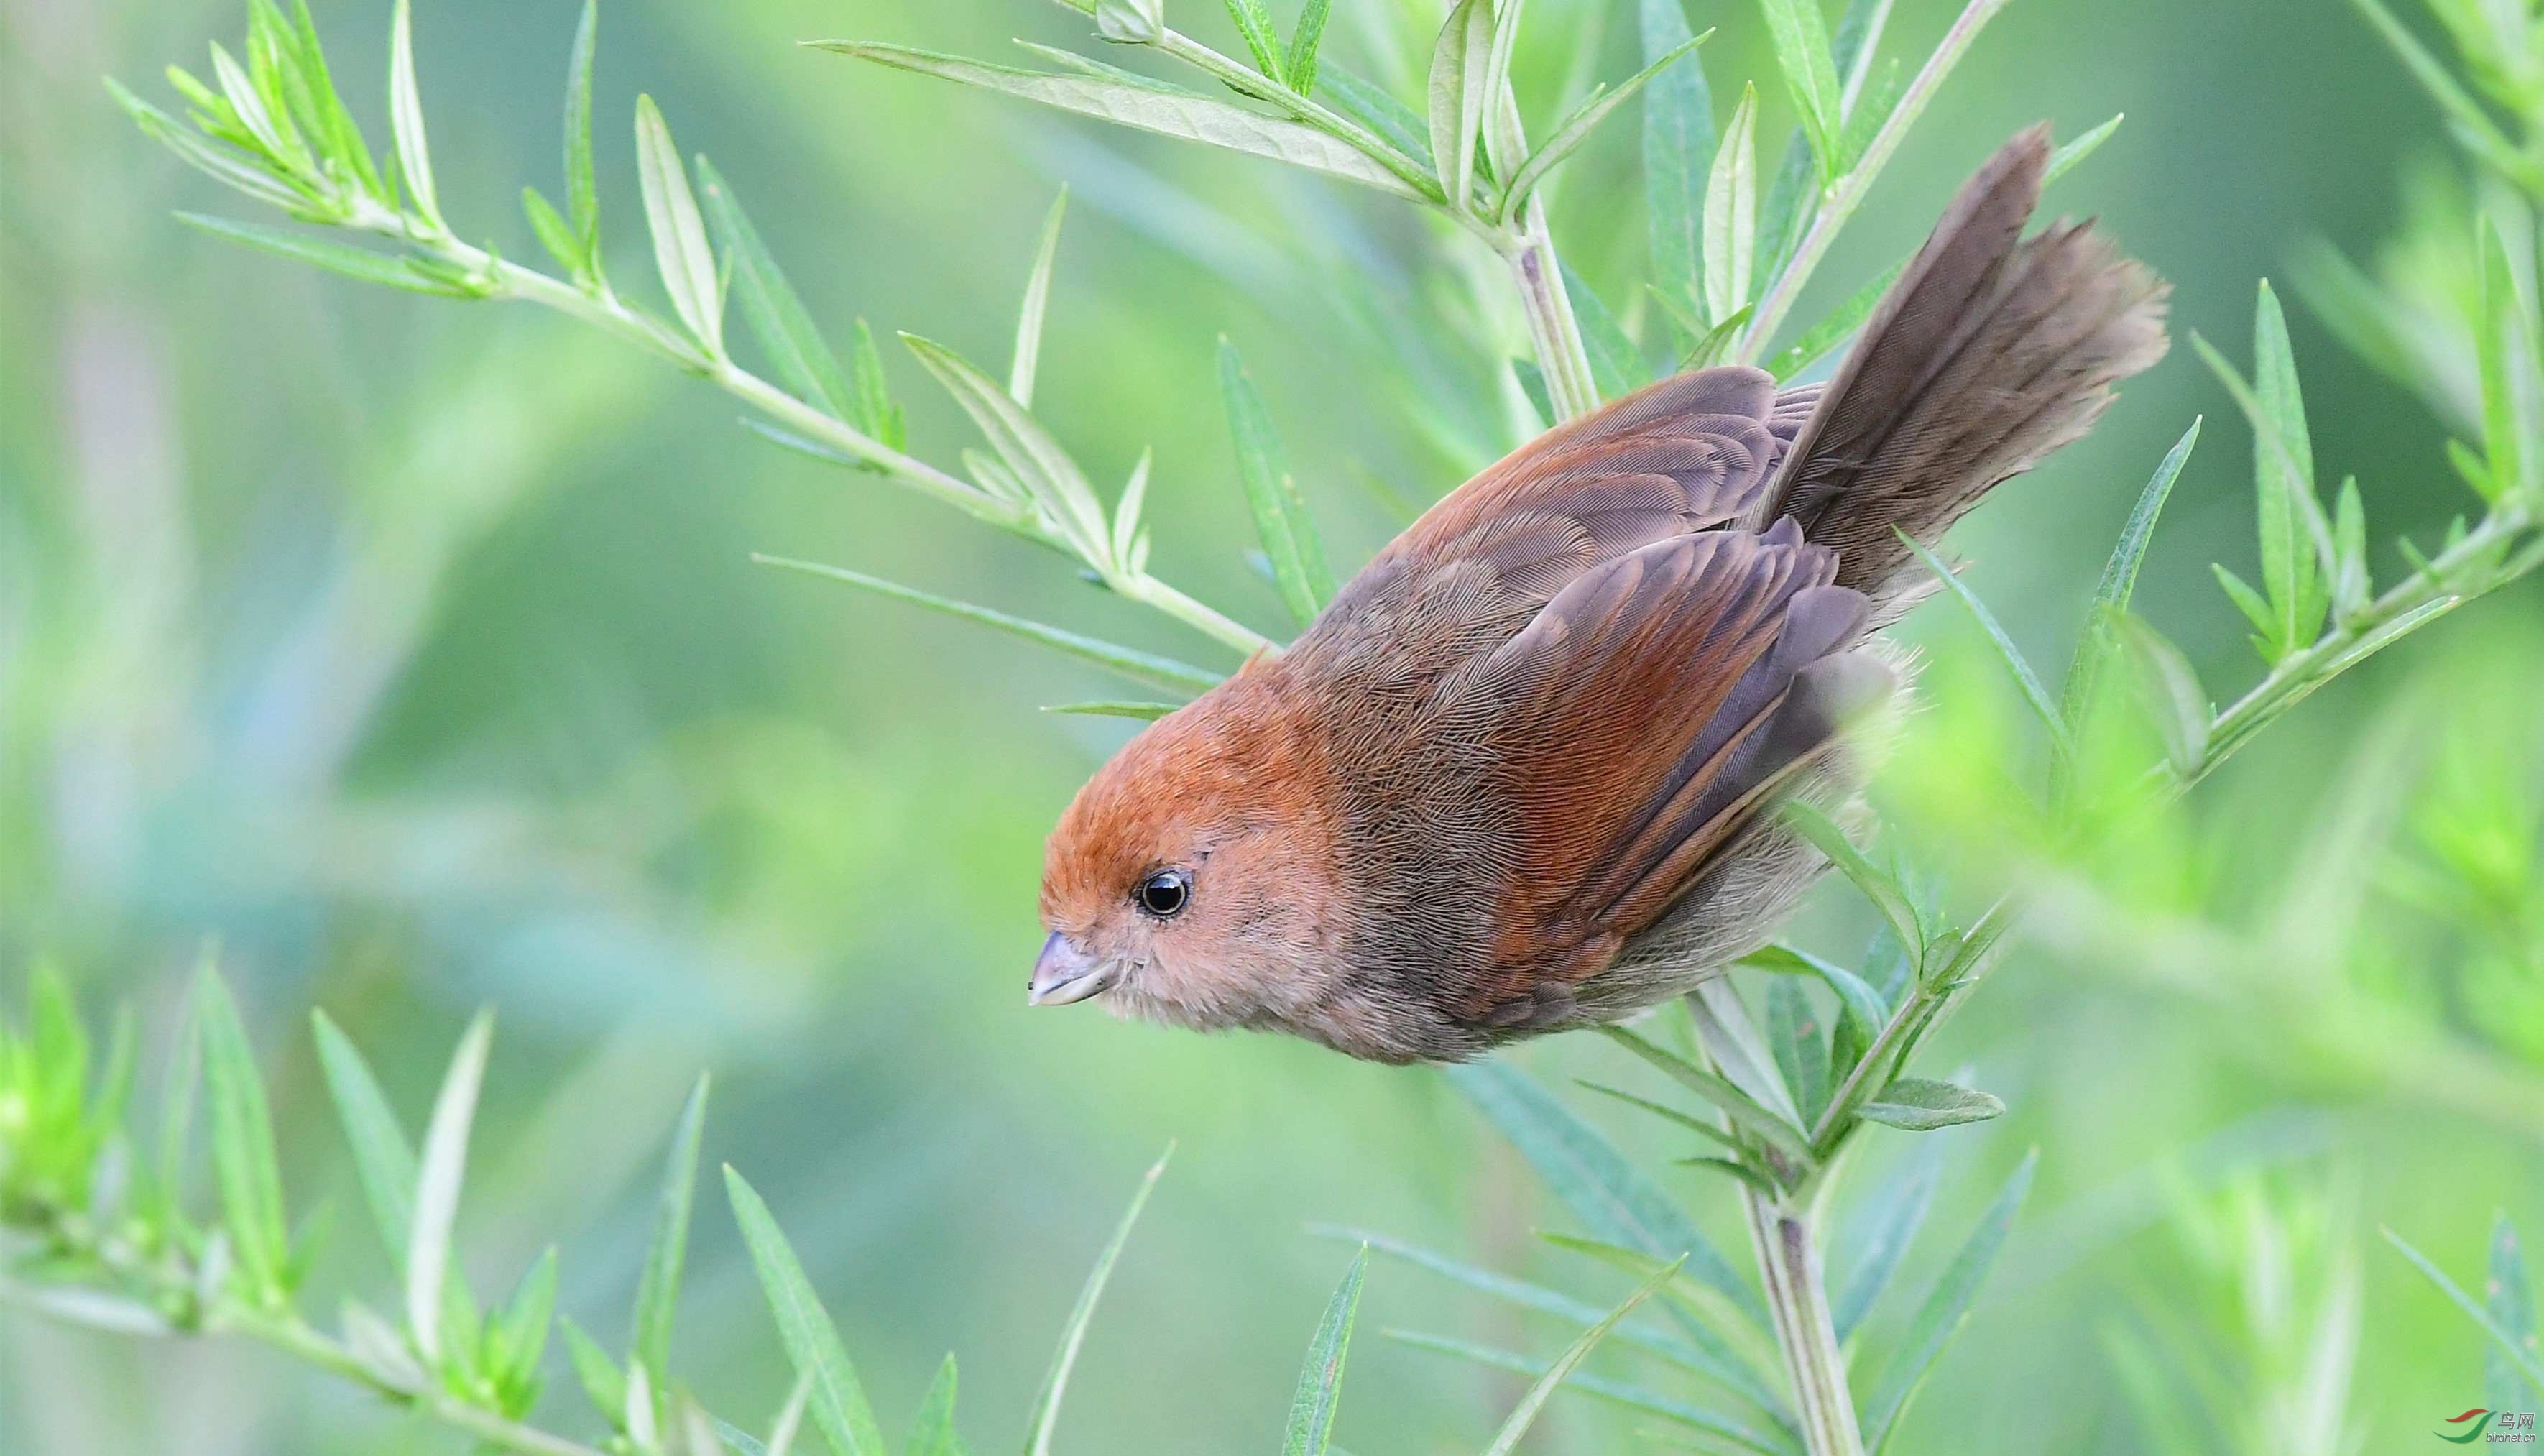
[{"x": 1063, "y": 973}]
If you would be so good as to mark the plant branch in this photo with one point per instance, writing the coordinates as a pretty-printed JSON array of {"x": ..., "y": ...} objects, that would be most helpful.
[{"x": 1786, "y": 1245}]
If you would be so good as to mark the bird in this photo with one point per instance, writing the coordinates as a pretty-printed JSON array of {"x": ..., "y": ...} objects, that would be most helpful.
[{"x": 1522, "y": 774}]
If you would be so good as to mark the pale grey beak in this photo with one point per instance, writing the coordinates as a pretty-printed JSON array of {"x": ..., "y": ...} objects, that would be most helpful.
[{"x": 1063, "y": 973}]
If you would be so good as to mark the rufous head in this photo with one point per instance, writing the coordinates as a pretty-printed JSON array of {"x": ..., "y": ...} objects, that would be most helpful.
[{"x": 1188, "y": 881}]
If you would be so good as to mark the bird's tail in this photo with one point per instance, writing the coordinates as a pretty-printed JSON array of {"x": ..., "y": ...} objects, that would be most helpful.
[{"x": 1990, "y": 351}]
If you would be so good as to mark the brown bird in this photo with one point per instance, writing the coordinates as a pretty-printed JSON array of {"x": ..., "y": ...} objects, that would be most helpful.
[{"x": 1519, "y": 776}]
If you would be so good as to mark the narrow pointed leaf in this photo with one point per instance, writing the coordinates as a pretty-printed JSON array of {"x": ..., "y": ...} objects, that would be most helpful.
[
  {"x": 1869, "y": 880},
  {"x": 777, "y": 316},
  {"x": 658, "y": 1289},
  {"x": 1193, "y": 118},
  {"x": 1055, "y": 1383},
  {"x": 1617, "y": 367},
  {"x": 1130, "y": 662},
  {"x": 1281, "y": 519},
  {"x": 1617, "y": 1393},
  {"x": 1896, "y": 1217},
  {"x": 1375, "y": 107},
  {"x": 1457, "y": 96},
  {"x": 406, "y": 120},
  {"x": 1838, "y": 326},
  {"x": 1115, "y": 709},
  {"x": 1301, "y": 58},
  {"x": 1944, "y": 1308},
  {"x": 2511, "y": 1306},
  {"x": 602, "y": 1382},
  {"x": 440, "y": 1170},
  {"x": 1609, "y": 1194},
  {"x": 354, "y": 263},
  {"x": 1731, "y": 212},
  {"x": 2517, "y": 1347},
  {"x": 1027, "y": 448},
  {"x": 552, "y": 230},
  {"x": 1797, "y": 1039},
  {"x": 2042, "y": 705},
  {"x": 932, "y": 1432},
  {"x": 1320, "y": 1379},
  {"x": 1037, "y": 302},
  {"x": 383, "y": 1159},
  {"x": 2512, "y": 414},
  {"x": 1801, "y": 42},
  {"x": 582, "y": 193},
  {"x": 680, "y": 252},
  {"x": 1732, "y": 1041},
  {"x": 1678, "y": 150},
  {"x": 243, "y": 1156},
  {"x": 2120, "y": 579},
  {"x": 1920, "y": 1104},
  {"x": 1530, "y": 1404},
  {"x": 1574, "y": 129},
  {"x": 838, "y": 1400},
  {"x": 2065, "y": 159}
]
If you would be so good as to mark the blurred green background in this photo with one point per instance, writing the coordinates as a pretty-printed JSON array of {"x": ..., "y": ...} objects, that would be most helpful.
[{"x": 410, "y": 650}]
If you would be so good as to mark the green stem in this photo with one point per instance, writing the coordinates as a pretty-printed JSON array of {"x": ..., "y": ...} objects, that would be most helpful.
[
  {"x": 1838, "y": 204},
  {"x": 602, "y": 310},
  {"x": 1553, "y": 327},
  {"x": 1787, "y": 1244}
]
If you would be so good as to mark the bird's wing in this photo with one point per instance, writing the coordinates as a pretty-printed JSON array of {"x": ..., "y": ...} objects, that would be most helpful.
[
  {"x": 1686, "y": 454},
  {"x": 1637, "y": 725}
]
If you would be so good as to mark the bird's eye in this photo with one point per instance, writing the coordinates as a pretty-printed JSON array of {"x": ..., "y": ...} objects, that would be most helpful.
[{"x": 1166, "y": 893}]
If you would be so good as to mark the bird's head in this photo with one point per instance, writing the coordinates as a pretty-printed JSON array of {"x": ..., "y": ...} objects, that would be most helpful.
[{"x": 1188, "y": 881}]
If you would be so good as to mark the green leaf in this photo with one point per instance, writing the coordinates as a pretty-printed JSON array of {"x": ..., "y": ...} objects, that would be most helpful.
[
  {"x": 177, "y": 1107},
  {"x": 582, "y": 193},
  {"x": 1320, "y": 1379},
  {"x": 1609, "y": 1194},
  {"x": 2513, "y": 398},
  {"x": 1732, "y": 1041},
  {"x": 1731, "y": 211},
  {"x": 1130, "y": 662},
  {"x": 1920, "y": 1104},
  {"x": 2284, "y": 466},
  {"x": 1533, "y": 1401},
  {"x": 1506, "y": 147},
  {"x": 1853, "y": 991},
  {"x": 931, "y": 1431},
  {"x": 1678, "y": 148},
  {"x": 1810, "y": 74},
  {"x": 1054, "y": 480},
  {"x": 2119, "y": 581},
  {"x": 2513, "y": 1309},
  {"x": 1946, "y": 1307},
  {"x": 811, "y": 1340},
  {"x": 1280, "y": 513},
  {"x": 1879, "y": 888},
  {"x": 356, "y": 263},
  {"x": 1376, "y": 108},
  {"x": 440, "y": 1170},
  {"x": 518, "y": 1334},
  {"x": 2181, "y": 709},
  {"x": 602, "y": 1382},
  {"x": 1302, "y": 58},
  {"x": 874, "y": 413},
  {"x": 1703, "y": 1354},
  {"x": 2473, "y": 125},
  {"x": 1617, "y": 367},
  {"x": 2065, "y": 159},
  {"x": 1192, "y": 117},
  {"x": 657, "y": 1290},
  {"x": 680, "y": 252},
  {"x": 346, "y": 143},
  {"x": 406, "y": 121},
  {"x": 552, "y": 231},
  {"x": 1688, "y": 1121},
  {"x": 1836, "y": 328},
  {"x": 2024, "y": 678},
  {"x": 1896, "y": 1215},
  {"x": 1457, "y": 96},
  {"x": 777, "y": 316},
  {"x": 1796, "y": 1037},
  {"x": 1574, "y": 129},
  {"x": 2351, "y": 585},
  {"x": 1055, "y": 1383},
  {"x": 1037, "y": 302},
  {"x": 2519, "y": 1347},
  {"x": 1617, "y": 1393},
  {"x": 1116, "y": 708},
  {"x": 243, "y": 1156},
  {"x": 1262, "y": 39},
  {"x": 383, "y": 1159}
]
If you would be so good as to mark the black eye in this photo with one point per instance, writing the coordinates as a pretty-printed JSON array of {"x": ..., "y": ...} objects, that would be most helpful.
[{"x": 1166, "y": 893}]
